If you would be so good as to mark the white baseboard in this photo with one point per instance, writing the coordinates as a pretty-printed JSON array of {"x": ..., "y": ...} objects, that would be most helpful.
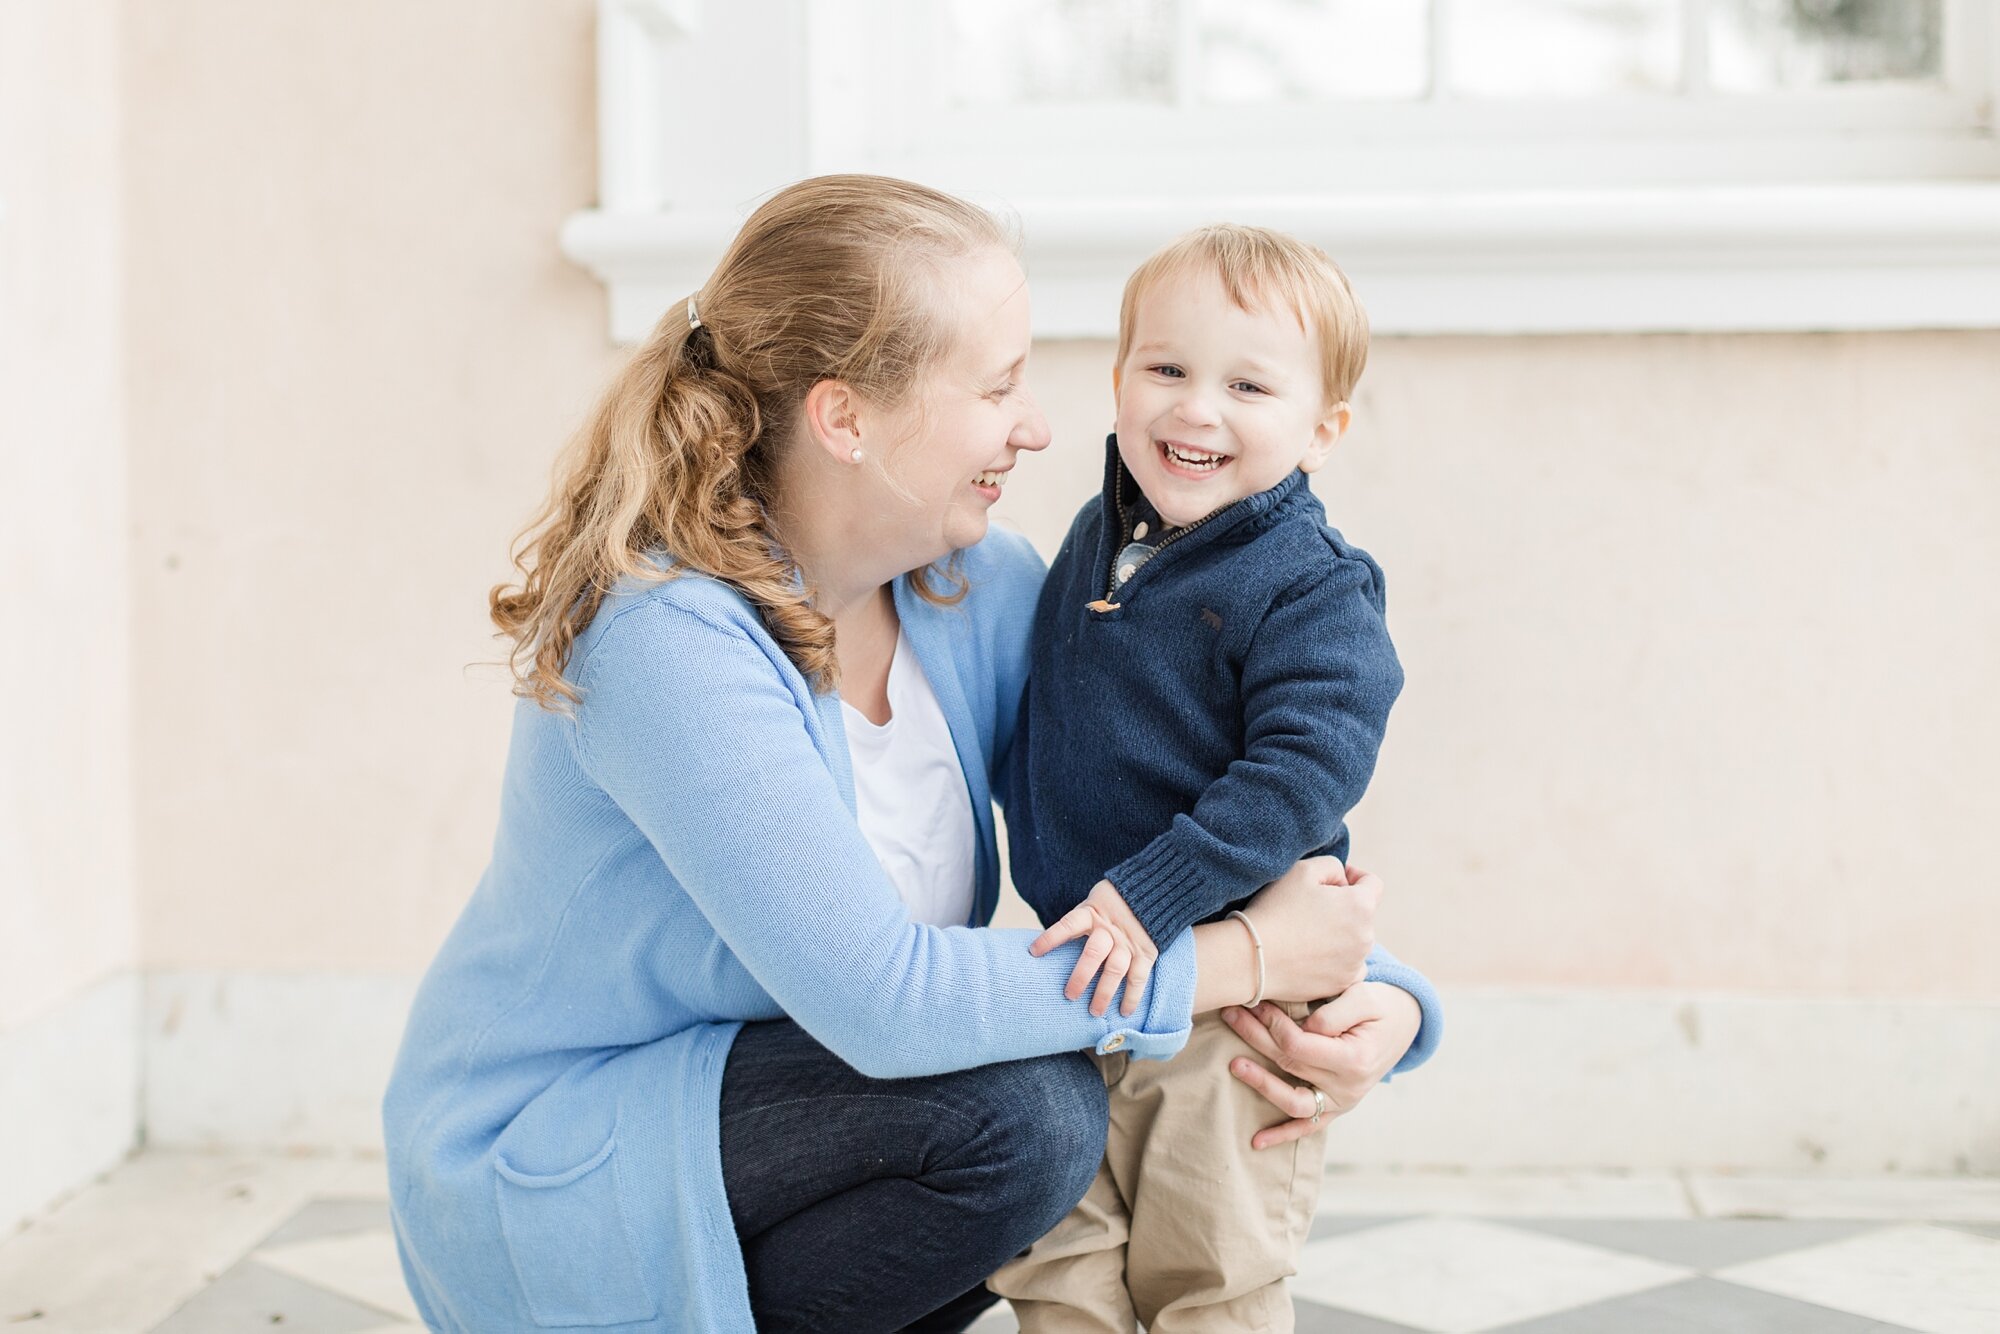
[
  {"x": 1643, "y": 1081},
  {"x": 1524, "y": 1081},
  {"x": 270, "y": 1060},
  {"x": 69, "y": 1096}
]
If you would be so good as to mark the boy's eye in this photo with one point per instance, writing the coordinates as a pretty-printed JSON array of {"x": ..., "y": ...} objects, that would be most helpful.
[
  {"x": 1247, "y": 387},
  {"x": 1173, "y": 371}
]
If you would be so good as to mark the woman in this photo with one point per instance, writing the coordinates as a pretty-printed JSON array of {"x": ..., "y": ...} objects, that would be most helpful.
[{"x": 582, "y": 1128}]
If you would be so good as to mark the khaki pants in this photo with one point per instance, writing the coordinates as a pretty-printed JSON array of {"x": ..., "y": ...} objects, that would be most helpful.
[{"x": 1186, "y": 1226}]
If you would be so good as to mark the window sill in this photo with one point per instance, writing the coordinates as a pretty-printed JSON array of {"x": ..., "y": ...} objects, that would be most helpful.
[{"x": 1776, "y": 258}]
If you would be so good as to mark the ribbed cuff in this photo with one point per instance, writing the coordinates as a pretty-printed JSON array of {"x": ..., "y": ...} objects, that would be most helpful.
[{"x": 1166, "y": 891}]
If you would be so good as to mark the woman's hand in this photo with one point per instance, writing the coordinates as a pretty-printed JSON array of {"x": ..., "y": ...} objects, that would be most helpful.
[
  {"x": 1117, "y": 946},
  {"x": 1343, "y": 1049},
  {"x": 1317, "y": 922}
]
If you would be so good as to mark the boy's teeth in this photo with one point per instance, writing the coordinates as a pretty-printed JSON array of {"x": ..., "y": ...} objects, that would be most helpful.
[{"x": 1193, "y": 458}]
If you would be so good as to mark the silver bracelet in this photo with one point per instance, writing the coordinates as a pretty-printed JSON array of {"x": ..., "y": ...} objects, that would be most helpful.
[{"x": 1256, "y": 944}]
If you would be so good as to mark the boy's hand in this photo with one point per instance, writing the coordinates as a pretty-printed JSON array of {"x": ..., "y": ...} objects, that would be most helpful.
[{"x": 1117, "y": 945}]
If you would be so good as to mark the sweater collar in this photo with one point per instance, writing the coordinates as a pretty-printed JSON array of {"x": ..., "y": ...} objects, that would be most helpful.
[{"x": 1121, "y": 494}]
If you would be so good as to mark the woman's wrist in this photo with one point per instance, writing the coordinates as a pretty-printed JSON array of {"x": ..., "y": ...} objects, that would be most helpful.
[
  {"x": 1225, "y": 965},
  {"x": 1256, "y": 955}
]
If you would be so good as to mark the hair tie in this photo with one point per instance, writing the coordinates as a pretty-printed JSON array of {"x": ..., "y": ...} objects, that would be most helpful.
[{"x": 694, "y": 320}]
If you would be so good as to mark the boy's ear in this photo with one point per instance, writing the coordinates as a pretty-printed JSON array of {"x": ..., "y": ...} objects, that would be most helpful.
[
  {"x": 1325, "y": 436},
  {"x": 1117, "y": 381}
]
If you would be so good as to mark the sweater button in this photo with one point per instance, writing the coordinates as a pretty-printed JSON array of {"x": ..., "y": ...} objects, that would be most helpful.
[{"x": 1114, "y": 1042}]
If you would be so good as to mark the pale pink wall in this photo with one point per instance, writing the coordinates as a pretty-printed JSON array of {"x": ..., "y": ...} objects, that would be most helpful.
[
  {"x": 355, "y": 349},
  {"x": 67, "y": 906},
  {"x": 1701, "y": 639},
  {"x": 1698, "y": 629}
]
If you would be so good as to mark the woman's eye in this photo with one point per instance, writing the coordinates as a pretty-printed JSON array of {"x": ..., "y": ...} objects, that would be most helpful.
[{"x": 1003, "y": 391}]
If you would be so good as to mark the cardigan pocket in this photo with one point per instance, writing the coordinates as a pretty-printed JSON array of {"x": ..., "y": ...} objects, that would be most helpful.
[{"x": 571, "y": 1250}]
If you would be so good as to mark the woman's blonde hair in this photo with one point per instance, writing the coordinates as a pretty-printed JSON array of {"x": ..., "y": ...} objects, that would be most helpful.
[{"x": 834, "y": 278}]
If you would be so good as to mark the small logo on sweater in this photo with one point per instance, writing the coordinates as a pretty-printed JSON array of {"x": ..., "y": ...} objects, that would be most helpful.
[{"x": 1214, "y": 621}]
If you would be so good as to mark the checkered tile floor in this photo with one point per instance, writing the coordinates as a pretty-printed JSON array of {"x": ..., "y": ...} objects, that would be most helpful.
[{"x": 329, "y": 1268}]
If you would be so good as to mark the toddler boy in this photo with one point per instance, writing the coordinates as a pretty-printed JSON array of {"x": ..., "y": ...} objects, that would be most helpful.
[{"x": 1211, "y": 679}]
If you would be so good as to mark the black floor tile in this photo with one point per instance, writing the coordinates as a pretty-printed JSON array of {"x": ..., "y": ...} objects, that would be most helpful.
[
  {"x": 250, "y": 1299},
  {"x": 1696, "y": 1243},
  {"x": 1700, "y": 1306},
  {"x": 1336, "y": 1225},
  {"x": 329, "y": 1218}
]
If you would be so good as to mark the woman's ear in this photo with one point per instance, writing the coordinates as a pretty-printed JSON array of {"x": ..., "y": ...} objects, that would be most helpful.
[
  {"x": 833, "y": 419},
  {"x": 1325, "y": 436}
]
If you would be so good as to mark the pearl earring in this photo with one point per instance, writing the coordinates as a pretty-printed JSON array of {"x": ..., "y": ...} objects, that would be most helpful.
[{"x": 856, "y": 455}]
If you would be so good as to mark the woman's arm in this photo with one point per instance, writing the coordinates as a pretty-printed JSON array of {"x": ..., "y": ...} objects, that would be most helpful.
[
  {"x": 1314, "y": 927},
  {"x": 1319, "y": 920},
  {"x": 1392, "y": 982},
  {"x": 690, "y": 725}
]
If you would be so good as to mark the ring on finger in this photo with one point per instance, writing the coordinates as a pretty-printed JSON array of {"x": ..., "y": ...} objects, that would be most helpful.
[{"x": 1319, "y": 1106}]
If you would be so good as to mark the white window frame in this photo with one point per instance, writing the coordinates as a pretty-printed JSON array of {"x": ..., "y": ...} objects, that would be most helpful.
[{"x": 1652, "y": 218}]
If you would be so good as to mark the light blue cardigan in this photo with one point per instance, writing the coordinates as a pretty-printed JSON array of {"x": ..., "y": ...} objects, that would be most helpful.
[{"x": 680, "y": 856}]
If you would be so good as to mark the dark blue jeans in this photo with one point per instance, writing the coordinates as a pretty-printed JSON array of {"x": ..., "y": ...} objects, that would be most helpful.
[{"x": 882, "y": 1204}]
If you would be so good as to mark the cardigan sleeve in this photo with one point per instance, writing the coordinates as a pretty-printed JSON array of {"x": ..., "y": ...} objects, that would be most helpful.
[{"x": 690, "y": 725}]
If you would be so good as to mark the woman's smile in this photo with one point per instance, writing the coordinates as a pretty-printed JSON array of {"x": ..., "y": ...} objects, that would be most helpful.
[{"x": 989, "y": 483}]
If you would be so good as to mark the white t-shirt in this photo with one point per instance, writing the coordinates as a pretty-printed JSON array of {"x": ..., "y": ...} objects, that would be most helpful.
[{"x": 910, "y": 794}]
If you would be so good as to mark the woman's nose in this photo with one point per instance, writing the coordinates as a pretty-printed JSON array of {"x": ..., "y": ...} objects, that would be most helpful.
[{"x": 1032, "y": 431}]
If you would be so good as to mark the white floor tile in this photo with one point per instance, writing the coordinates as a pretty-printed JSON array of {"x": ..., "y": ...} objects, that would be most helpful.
[
  {"x": 1455, "y": 1274},
  {"x": 997, "y": 1320},
  {"x": 121, "y": 1255},
  {"x": 1506, "y": 1195},
  {"x": 1934, "y": 1279},
  {"x": 357, "y": 1178},
  {"x": 360, "y": 1266}
]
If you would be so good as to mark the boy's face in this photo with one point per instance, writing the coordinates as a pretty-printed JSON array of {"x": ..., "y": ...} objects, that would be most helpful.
[{"x": 1216, "y": 403}]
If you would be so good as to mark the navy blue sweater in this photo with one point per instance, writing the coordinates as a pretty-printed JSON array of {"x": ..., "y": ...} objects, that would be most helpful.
[{"x": 1193, "y": 733}]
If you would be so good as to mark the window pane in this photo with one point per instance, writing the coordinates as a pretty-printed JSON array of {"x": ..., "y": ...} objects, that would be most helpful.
[
  {"x": 1062, "y": 51},
  {"x": 1564, "y": 48},
  {"x": 1758, "y": 46},
  {"x": 1312, "y": 50}
]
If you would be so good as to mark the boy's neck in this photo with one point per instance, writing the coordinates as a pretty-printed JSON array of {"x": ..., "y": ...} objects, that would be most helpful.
[{"x": 1142, "y": 511}]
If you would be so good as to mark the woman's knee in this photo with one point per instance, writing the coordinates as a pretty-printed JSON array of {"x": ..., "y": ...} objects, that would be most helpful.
[{"x": 1053, "y": 1114}]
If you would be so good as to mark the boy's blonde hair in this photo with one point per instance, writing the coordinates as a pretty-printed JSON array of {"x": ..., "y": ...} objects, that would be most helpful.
[
  {"x": 834, "y": 278},
  {"x": 1260, "y": 268}
]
